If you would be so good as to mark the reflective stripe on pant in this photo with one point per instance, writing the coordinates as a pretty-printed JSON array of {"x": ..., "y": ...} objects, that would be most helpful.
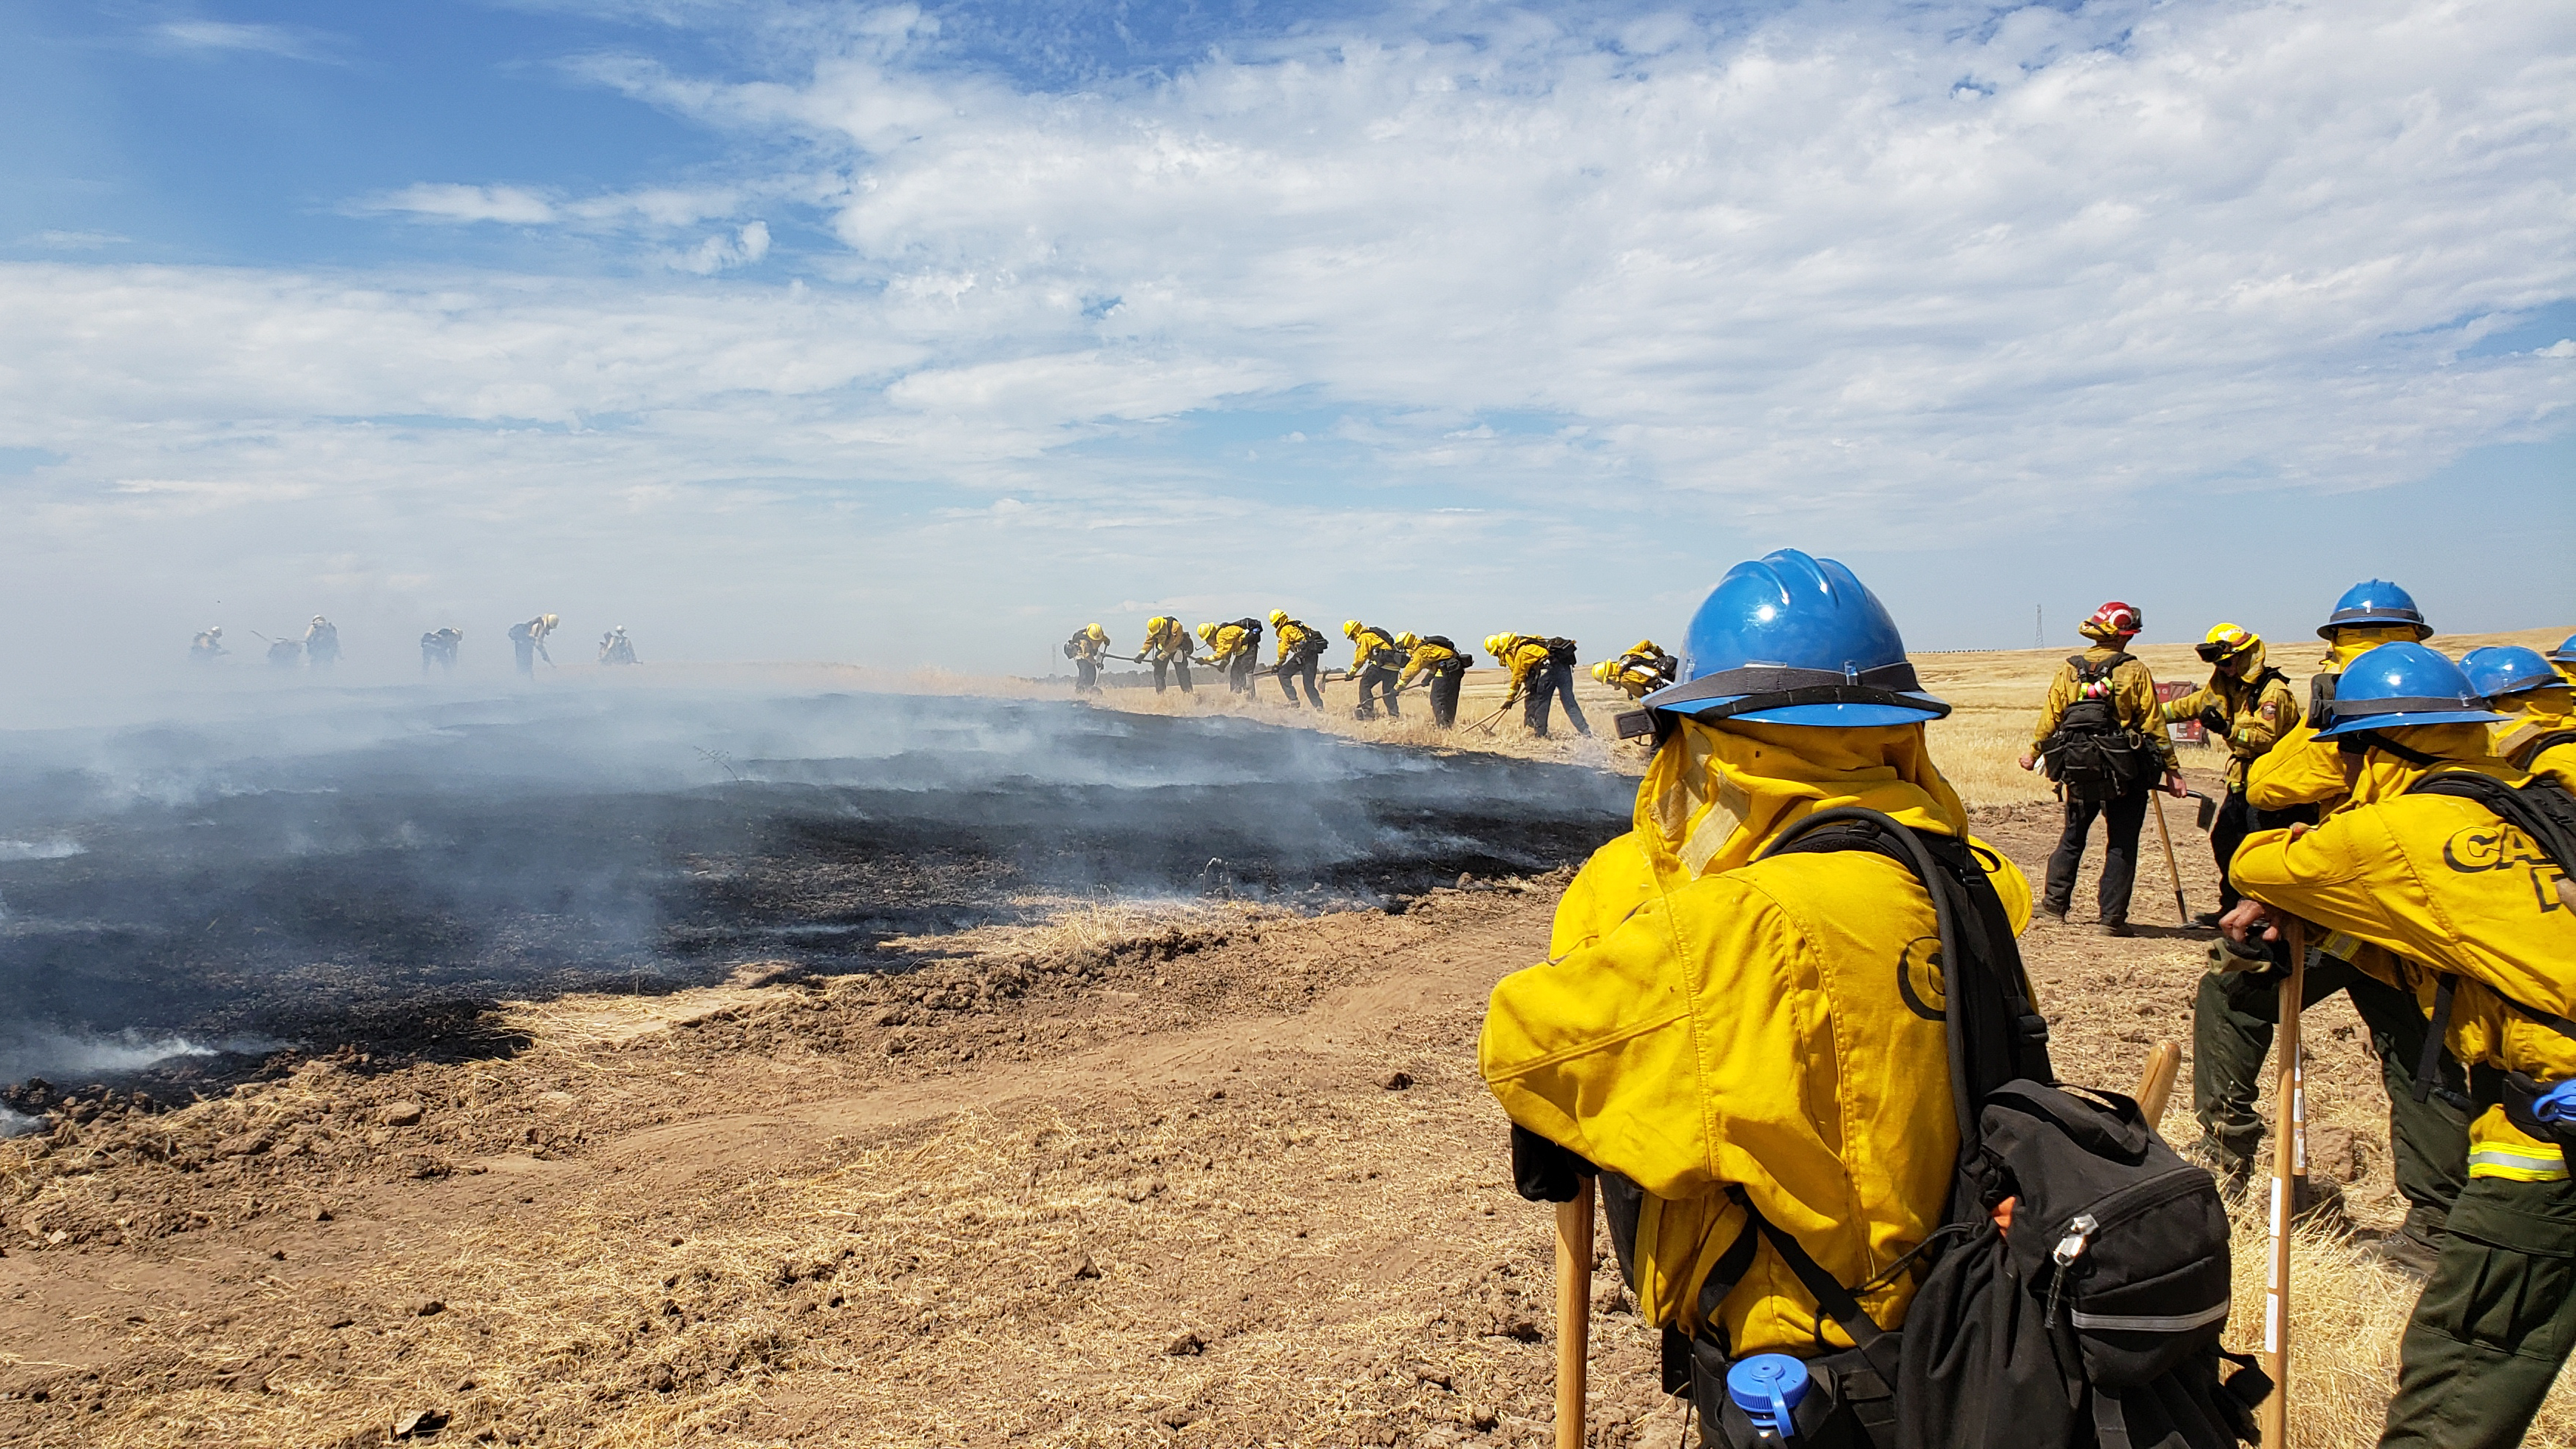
[
  {"x": 1380, "y": 680},
  {"x": 2122, "y": 815},
  {"x": 2231, "y": 1033},
  {"x": 1552, "y": 681},
  {"x": 2494, "y": 1324}
]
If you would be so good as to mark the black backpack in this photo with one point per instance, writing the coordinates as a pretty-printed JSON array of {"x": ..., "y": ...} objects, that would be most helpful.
[
  {"x": 1560, "y": 650},
  {"x": 2542, "y": 809},
  {"x": 2091, "y": 754},
  {"x": 2096, "y": 1320}
]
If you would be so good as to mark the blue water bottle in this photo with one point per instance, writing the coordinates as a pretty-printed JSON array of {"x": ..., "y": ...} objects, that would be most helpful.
[{"x": 1767, "y": 1386}]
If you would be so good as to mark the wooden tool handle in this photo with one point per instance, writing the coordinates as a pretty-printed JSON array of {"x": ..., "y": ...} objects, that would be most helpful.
[
  {"x": 1573, "y": 1314},
  {"x": 2155, "y": 1084},
  {"x": 2289, "y": 1161}
]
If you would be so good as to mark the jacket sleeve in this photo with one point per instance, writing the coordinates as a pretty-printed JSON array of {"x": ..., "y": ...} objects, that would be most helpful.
[
  {"x": 2321, "y": 876},
  {"x": 2061, "y": 693},
  {"x": 2275, "y": 712},
  {"x": 2300, "y": 770},
  {"x": 2190, "y": 705}
]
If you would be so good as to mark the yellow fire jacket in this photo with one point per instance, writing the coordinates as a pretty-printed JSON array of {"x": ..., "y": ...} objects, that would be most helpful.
[
  {"x": 2445, "y": 887},
  {"x": 2133, "y": 699},
  {"x": 1704, "y": 1019},
  {"x": 1522, "y": 655},
  {"x": 2301, "y": 770},
  {"x": 1166, "y": 639},
  {"x": 1292, "y": 634},
  {"x": 2536, "y": 715},
  {"x": 1366, "y": 643},
  {"x": 1426, "y": 658},
  {"x": 1087, "y": 647},
  {"x": 2257, "y": 715},
  {"x": 1230, "y": 640}
]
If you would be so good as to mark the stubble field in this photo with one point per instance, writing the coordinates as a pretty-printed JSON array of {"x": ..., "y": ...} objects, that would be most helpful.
[{"x": 1180, "y": 1170}]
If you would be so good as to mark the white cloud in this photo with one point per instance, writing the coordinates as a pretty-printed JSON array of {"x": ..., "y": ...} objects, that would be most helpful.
[
  {"x": 291, "y": 42},
  {"x": 1893, "y": 272},
  {"x": 448, "y": 201},
  {"x": 79, "y": 241}
]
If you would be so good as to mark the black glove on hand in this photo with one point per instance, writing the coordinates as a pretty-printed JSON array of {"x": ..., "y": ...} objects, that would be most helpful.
[{"x": 1543, "y": 1171}]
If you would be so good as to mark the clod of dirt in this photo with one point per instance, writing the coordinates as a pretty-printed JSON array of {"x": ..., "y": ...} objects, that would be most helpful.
[
  {"x": 1174, "y": 1417},
  {"x": 427, "y": 1308},
  {"x": 660, "y": 1380},
  {"x": 402, "y": 1114},
  {"x": 321, "y": 1214},
  {"x": 1482, "y": 1418},
  {"x": 244, "y": 1144},
  {"x": 1188, "y": 1345},
  {"x": 1086, "y": 1268},
  {"x": 419, "y": 1423},
  {"x": 1396, "y": 1081}
]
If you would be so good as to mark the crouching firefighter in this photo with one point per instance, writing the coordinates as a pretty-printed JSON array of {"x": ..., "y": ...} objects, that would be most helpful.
[
  {"x": 1785, "y": 1023},
  {"x": 1435, "y": 658},
  {"x": 2449, "y": 868},
  {"x": 1641, "y": 671}
]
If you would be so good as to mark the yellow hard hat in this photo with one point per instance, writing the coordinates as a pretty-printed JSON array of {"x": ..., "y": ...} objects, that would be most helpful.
[
  {"x": 1601, "y": 671},
  {"x": 1408, "y": 640},
  {"x": 1207, "y": 631},
  {"x": 1350, "y": 628},
  {"x": 551, "y": 619},
  {"x": 1278, "y": 617},
  {"x": 1494, "y": 644},
  {"x": 2226, "y": 641}
]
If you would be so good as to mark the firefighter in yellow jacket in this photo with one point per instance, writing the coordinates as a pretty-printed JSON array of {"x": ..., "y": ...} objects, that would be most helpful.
[
  {"x": 2298, "y": 779},
  {"x": 2247, "y": 705},
  {"x": 1234, "y": 650},
  {"x": 1375, "y": 658},
  {"x": 1433, "y": 656},
  {"x": 2103, "y": 736},
  {"x": 1299, "y": 650},
  {"x": 1641, "y": 671},
  {"x": 1725, "y": 1032},
  {"x": 1167, "y": 648},
  {"x": 2455, "y": 893},
  {"x": 1088, "y": 646},
  {"x": 2538, "y": 731},
  {"x": 1542, "y": 670}
]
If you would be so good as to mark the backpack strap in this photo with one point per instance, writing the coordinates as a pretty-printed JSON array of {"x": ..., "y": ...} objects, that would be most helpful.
[{"x": 2430, "y": 1062}]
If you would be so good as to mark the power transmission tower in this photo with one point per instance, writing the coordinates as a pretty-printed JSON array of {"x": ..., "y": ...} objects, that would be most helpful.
[{"x": 2038, "y": 626}]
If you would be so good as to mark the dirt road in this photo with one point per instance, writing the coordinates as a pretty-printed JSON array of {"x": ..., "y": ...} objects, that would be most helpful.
[{"x": 1206, "y": 1177}]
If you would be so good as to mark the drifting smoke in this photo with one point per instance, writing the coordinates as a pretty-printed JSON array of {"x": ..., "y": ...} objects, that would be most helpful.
[{"x": 271, "y": 872}]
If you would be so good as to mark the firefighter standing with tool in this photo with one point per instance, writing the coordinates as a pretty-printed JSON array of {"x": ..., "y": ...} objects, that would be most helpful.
[
  {"x": 2454, "y": 864},
  {"x": 1827, "y": 1110},
  {"x": 1234, "y": 650},
  {"x": 1375, "y": 660},
  {"x": 1541, "y": 670},
  {"x": 1167, "y": 649},
  {"x": 208, "y": 645},
  {"x": 1434, "y": 657},
  {"x": 2103, "y": 737},
  {"x": 438, "y": 647},
  {"x": 1088, "y": 646},
  {"x": 1641, "y": 671},
  {"x": 2236, "y": 1012},
  {"x": 2250, "y": 706},
  {"x": 1299, "y": 650},
  {"x": 2538, "y": 731},
  {"x": 615, "y": 647}
]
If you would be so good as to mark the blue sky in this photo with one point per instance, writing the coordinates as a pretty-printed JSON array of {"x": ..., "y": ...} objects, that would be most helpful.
[{"x": 905, "y": 334}]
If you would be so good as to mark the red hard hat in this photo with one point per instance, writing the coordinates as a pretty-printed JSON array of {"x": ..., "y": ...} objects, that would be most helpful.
[{"x": 2114, "y": 617}]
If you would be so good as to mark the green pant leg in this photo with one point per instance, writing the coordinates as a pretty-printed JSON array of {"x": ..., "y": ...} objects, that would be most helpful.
[
  {"x": 2428, "y": 1140},
  {"x": 2495, "y": 1323},
  {"x": 2231, "y": 1032}
]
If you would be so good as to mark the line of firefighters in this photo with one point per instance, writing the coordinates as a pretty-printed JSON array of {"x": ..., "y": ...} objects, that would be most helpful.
[
  {"x": 320, "y": 646},
  {"x": 1384, "y": 662}
]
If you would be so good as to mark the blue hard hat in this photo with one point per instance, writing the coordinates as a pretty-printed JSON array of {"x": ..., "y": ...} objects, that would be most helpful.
[
  {"x": 2397, "y": 685},
  {"x": 2501, "y": 669},
  {"x": 2373, "y": 601},
  {"x": 2565, "y": 653},
  {"x": 1788, "y": 639}
]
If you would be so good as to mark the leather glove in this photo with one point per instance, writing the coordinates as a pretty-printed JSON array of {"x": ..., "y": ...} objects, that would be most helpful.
[{"x": 1543, "y": 1171}]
